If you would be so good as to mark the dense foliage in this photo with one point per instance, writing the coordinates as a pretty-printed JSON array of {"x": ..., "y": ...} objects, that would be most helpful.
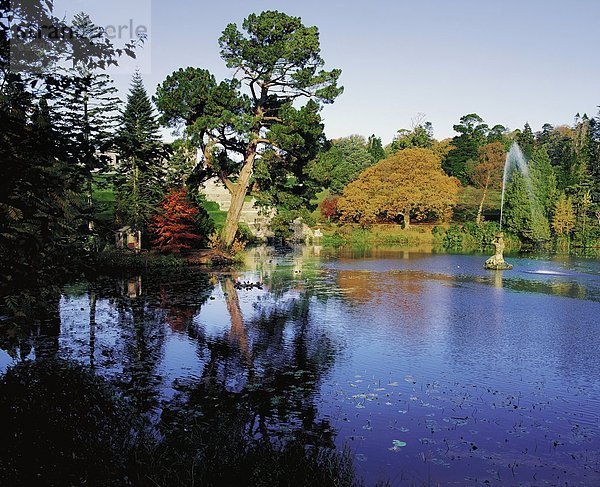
[
  {"x": 341, "y": 163},
  {"x": 47, "y": 162},
  {"x": 255, "y": 116},
  {"x": 47, "y": 435},
  {"x": 139, "y": 172},
  {"x": 175, "y": 226},
  {"x": 408, "y": 184}
]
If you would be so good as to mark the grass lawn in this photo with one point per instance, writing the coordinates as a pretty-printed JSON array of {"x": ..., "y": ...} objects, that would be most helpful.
[
  {"x": 217, "y": 215},
  {"x": 104, "y": 198}
]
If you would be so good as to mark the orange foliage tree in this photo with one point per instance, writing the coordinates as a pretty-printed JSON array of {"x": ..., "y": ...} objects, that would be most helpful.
[
  {"x": 408, "y": 184},
  {"x": 175, "y": 226},
  {"x": 488, "y": 171}
]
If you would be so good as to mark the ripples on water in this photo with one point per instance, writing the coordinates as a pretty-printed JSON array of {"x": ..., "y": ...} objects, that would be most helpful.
[{"x": 430, "y": 368}]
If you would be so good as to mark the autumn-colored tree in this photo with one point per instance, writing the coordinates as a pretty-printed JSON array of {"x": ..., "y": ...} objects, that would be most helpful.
[
  {"x": 563, "y": 220},
  {"x": 441, "y": 148},
  {"x": 408, "y": 184},
  {"x": 487, "y": 174},
  {"x": 175, "y": 226},
  {"x": 329, "y": 207}
]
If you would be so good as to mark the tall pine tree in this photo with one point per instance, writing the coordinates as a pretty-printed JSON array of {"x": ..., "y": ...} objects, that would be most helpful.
[
  {"x": 139, "y": 171},
  {"x": 375, "y": 148},
  {"x": 594, "y": 166},
  {"x": 526, "y": 141}
]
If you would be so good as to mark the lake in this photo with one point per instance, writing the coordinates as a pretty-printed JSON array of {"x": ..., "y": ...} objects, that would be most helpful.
[{"x": 428, "y": 367}]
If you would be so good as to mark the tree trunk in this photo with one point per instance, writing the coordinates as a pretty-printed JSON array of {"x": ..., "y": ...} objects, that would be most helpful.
[
  {"x": 406, "y": 219},
  {"x": 238, "y": 193},
  {"x": 92, "y": 298},
  {"x": 135, "y": 195},
  {"x": 480, "y": 210}
]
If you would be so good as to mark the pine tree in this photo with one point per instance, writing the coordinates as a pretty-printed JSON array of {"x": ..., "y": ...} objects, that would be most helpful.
[
  {"x": 594, "y": 163},
  {"x": 376, "y": 149},
  {"x": 543, "y": 180},
  {"x": 88, "y": 107},
  {"x": 522, "y": 215},
  {"x": 175, "y": 226},
  {"x": 138, "y": 134},
  {"x": 543, "y": 137},
  {"x": 181, "y": 162},
  {"x": 140, "y": 149},
  {"x": 526, "y": 141},
  {"x": 465, "y": 153}
]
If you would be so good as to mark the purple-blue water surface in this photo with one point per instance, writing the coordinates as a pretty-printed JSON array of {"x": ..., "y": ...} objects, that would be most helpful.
[{"x": 431, "y": 369}]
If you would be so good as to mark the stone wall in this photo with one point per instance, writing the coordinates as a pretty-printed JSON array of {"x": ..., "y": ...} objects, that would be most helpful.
[{"x": 255, "y": 218}]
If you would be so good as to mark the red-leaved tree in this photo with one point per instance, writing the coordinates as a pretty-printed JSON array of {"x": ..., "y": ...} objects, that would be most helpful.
[
  {"x": 175, "y": 225},
  {"x": 328, "y": 207}
]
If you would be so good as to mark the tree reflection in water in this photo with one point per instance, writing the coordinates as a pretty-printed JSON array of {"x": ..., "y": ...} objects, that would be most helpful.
[
  {"x": 268, "y": 369},
  {"x": 255, "y": 401},
  {"x": 250, "y": 411}
]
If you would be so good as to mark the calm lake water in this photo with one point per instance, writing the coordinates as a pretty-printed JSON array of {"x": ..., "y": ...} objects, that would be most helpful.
[{"x": 431, "y": 369}]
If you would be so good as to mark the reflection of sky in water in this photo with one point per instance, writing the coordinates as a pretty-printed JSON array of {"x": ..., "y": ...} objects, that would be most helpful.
[
  {"x": 443, "y": 371},
  {"x": 5, "y": 360},
  {"x": 434, "y": 345}
]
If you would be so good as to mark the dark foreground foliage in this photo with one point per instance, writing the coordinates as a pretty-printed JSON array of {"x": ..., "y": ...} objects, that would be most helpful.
[{"x": 64, "y": 426}]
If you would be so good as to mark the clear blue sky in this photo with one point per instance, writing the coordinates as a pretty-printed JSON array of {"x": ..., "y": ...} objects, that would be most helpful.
[{"x": 509, "y": 61}]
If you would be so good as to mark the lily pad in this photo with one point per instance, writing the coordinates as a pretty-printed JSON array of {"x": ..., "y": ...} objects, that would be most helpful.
[{"x": 398, "y": 443}]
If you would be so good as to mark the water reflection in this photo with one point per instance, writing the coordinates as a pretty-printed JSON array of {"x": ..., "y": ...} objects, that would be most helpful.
[{"x": 429, "y": 366}]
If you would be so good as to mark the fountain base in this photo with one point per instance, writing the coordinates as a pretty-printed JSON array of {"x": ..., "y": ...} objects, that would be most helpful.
[{"x": 496, "y": 262}]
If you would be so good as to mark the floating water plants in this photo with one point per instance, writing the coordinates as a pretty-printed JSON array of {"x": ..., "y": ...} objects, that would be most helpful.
[{"x": 397, "y": 444}]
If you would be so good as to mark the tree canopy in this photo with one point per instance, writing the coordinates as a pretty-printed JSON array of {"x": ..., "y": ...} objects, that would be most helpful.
[
  {"x": 408, "y": 184},
  {"x": 473, "y": 132},
  {"x": 139, "y": 172},
  {"x": 421, "y": 135},
  {"x": 341, "y": 163},
  {"x": 257, "y": 114}
]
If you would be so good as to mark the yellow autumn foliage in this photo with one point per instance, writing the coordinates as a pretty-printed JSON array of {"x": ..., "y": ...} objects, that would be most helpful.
[{"x": 410, "y": 184}]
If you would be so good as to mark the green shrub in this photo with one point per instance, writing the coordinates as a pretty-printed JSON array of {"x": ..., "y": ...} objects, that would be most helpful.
[
  {"x": 471, "y": 236},
  {"x": 244, "y": 234}
]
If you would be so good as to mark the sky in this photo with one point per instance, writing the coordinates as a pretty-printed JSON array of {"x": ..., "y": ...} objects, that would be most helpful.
[{"x": 511, "y": 62}]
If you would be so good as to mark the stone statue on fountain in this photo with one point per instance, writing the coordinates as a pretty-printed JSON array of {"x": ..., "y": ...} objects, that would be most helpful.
[{"x": 496, "y": 262}]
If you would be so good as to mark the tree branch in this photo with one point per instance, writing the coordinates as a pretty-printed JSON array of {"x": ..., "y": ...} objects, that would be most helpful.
[{"x": 225, "y": 180}]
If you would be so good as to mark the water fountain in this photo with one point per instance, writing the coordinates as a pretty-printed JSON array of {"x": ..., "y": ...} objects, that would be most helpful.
[
  {"x": 496, "y": 262},
  {"x": 514, "y": 158}
]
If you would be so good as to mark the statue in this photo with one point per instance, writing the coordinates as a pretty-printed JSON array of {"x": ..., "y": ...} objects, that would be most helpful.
[{"x": 496, "y": 262}]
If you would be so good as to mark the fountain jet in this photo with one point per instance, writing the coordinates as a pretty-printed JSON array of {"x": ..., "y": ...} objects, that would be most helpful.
[{"x": 516, "y": 159}]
